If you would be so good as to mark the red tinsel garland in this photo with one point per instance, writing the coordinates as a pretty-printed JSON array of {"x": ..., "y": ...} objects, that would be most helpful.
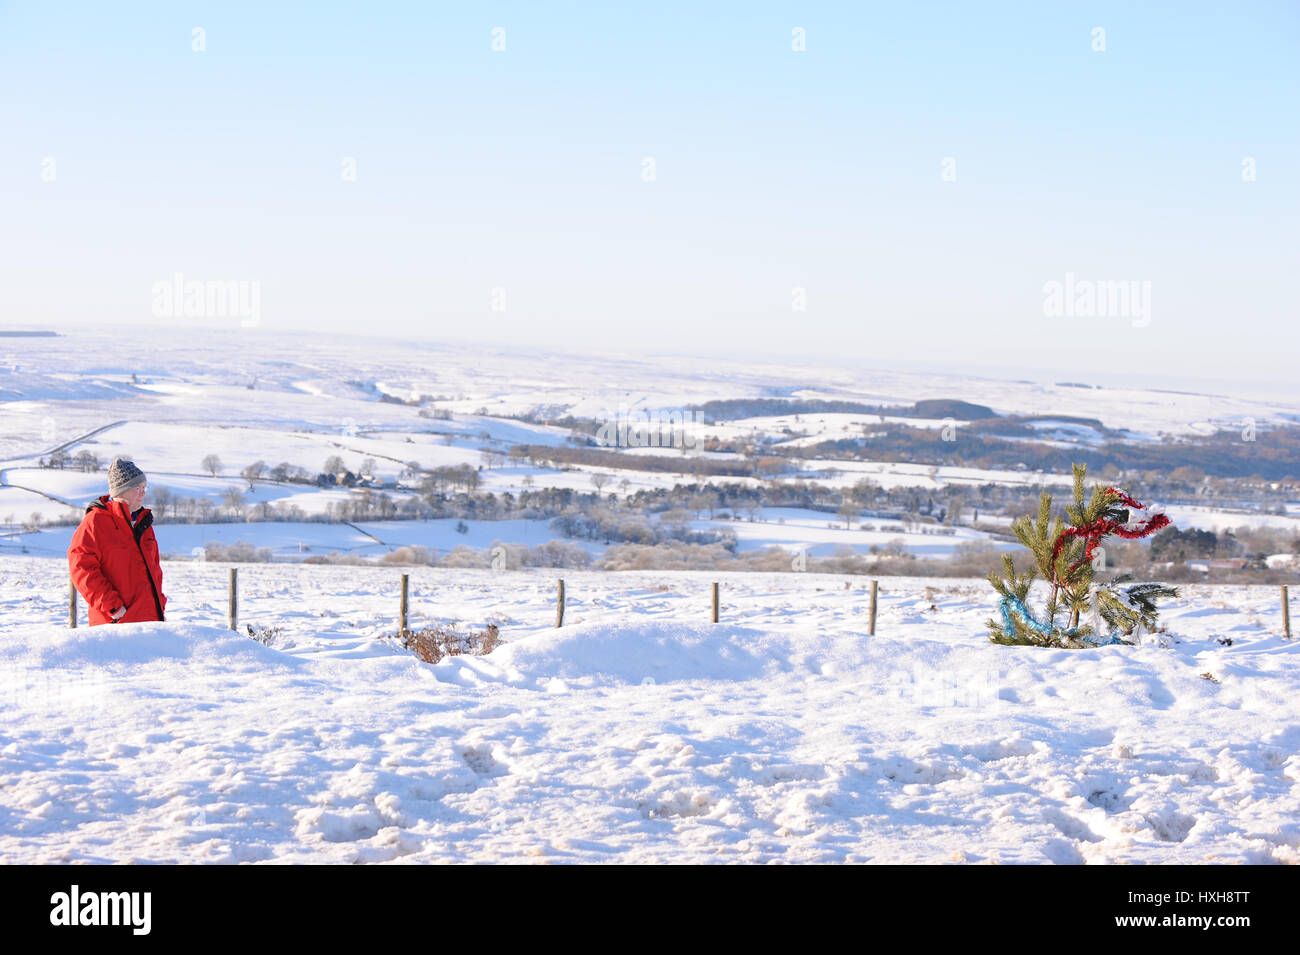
[{"x": 1094, "y": 532}]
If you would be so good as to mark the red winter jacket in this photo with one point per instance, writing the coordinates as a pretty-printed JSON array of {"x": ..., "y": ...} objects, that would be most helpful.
[{"x": 115, "y": 564}]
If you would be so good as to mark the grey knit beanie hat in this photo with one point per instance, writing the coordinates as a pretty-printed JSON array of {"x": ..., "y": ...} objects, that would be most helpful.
[{"x": 122, "y": 476}]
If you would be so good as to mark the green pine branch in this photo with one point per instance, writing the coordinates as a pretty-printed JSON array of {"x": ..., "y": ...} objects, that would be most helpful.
[{"x": 1070, "y": 576}]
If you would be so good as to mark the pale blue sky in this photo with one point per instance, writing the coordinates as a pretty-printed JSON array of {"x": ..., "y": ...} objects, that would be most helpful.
[{"x": 775, "y": 169}]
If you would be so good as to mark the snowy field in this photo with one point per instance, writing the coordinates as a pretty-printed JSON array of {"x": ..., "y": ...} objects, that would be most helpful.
[
  {"x": 794, "y": 529},
  {"x": 639, "y": 732}
]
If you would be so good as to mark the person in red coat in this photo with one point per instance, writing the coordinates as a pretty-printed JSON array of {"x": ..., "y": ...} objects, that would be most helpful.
[{"x": 113, "y": 557}]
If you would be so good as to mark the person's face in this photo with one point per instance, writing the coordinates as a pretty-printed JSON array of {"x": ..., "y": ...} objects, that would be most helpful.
[{"x": 134, "y": 498}]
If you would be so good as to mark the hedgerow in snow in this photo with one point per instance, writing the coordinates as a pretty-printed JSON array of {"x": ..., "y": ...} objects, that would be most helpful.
[{"x": 1064, "y": 556}]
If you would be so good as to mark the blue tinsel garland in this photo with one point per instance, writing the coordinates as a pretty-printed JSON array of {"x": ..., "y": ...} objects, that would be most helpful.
[{"x": 1008, "y": 603}]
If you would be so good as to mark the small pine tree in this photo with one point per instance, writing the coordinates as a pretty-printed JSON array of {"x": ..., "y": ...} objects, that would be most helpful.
[{"x": 1063, "y": 555}]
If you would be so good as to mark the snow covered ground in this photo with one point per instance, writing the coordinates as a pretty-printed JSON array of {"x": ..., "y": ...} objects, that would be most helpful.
[
  {"x": 296, "y": 540},
  {"x": 639, "y": 732},
  {"x": 817, "y": 533}
]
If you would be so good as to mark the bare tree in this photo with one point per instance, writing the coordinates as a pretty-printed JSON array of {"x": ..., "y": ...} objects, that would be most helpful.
[
  {"x": 486, "y": 456},
  {"x": 956, "y": 508},
  {"x": 233, "y": 498},
  {"x": 253, "y": 472},
  {"x": 212, "y": 464},
  {"x": 704, "y": 501},
  {"x": 864, "y": 491},
  {"x": 598, "y": 481},
  {"x": 162, "y": 499}
]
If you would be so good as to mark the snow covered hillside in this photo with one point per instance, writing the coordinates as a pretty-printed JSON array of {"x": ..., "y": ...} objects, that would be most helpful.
[
  {"x": 639, "y": 732},
  {"x": 249, "y": 434}
]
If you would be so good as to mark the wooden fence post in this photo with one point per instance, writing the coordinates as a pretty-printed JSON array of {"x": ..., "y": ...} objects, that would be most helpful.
[
  {"x": 405, "y": 604},
  {"x": 1286, "y": 613},
  {"x": 871, "y": 626},
  {"x": 559, "y": 602},
  {"x": 715, "y": 601},
  {"x": 234, "y": 599},
  {"x": 72, "y": 603}
]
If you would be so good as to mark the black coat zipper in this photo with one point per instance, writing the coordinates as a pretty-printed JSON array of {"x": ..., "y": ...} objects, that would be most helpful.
[{"x": 138, "y": 528}]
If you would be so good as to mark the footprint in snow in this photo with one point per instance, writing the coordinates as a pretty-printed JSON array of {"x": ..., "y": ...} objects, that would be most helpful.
[{"x": 480, "y": 759}]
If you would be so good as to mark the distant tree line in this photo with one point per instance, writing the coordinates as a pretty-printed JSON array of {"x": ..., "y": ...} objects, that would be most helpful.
[
  {"x": 84, "y": 460},
  {"x": 729, "y": 409},
  {"x": 1272, "y": 455}
]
